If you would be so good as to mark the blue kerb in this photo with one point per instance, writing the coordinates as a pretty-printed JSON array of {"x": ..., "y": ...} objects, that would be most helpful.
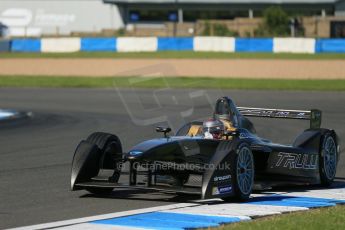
[{"x": 168, "y": 221}]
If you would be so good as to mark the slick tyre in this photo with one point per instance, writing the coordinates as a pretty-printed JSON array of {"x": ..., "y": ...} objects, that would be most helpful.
[
  {"x": 110, "y": 147},
  {"x": 242, "y": 171},
  {"x": 328, "y": 159}
]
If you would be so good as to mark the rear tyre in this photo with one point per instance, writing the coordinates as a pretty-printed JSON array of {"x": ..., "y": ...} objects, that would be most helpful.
[
  {"x": 242, "y": 171},
  {"x": 328, "y": 159}
]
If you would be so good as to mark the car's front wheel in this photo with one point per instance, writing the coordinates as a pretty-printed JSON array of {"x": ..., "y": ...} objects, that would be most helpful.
[{"x": 242, "y": 162}]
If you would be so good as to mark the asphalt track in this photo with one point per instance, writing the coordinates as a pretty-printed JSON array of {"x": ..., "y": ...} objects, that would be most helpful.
[{"x": 36, "y": 153}]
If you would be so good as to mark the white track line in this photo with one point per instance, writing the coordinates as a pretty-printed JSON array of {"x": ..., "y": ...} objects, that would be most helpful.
[
  {"x": 97, "y": 227},
  {"x": 236, "y": 210},
  {"x": 105, "y": 216},
  {"x": 332, "y": 193}
]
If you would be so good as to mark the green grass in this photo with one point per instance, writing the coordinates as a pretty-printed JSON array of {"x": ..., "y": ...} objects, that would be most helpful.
[
  {"x": 171, "y": 82},
  {"x": 324, "y": 218},
  {"x": 177, "y": 54}
]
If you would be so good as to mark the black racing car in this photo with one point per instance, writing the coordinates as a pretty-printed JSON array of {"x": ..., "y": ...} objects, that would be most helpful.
[{"x": 227, "y": 168}]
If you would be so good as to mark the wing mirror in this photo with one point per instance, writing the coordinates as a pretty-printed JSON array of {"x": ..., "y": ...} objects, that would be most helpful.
[{"x": 164, "y": 130}]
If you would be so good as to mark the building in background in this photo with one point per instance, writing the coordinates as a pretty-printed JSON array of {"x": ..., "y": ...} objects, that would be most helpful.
[
  {"x": 317, "y": 18},
  {"x": 32, "y": 18},
  {"x": 193, "y": 10},
  {"x": 58, "y": 17}
]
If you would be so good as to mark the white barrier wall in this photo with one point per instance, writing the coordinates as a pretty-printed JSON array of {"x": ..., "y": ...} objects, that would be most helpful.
[
  {"x": 154, "y": 44},
  {"x": 294, "y": 45},
  {"x": 60, "y": 45},
  {"x": 51, "y": 17},
  {"x": 218, "y": 44},
  {"x": 137, "y": 44}
]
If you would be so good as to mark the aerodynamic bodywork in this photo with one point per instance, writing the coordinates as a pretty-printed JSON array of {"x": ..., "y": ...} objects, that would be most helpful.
[{"x": 228, "y": 167}]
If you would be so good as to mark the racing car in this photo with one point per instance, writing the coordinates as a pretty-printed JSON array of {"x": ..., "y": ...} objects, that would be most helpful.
[{"x": 229, "y": 166}]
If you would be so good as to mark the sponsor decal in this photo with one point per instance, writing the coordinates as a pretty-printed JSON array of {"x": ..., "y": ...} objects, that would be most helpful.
[
  {"x": 222, "y": 178},
  {"x": 135, "y": 153},
  {"x": 44, "y": 18},
  {"x": 297, "y": 161},
  {"x": 221, "y": 190},
  {"x": 301, "y": 115},
  {"x": 23, "y": 22},
  {"x": 16, "y": 17},
  {"x": 243, "y": 136},
  {"x": 282, "y": 114}
]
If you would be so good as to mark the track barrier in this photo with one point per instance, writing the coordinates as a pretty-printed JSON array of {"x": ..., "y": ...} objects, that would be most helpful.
[
  {"x": 5, "y": 45},
  {"x": 98, "y": 44},
  {"x": 26, "y": 45},
  {"x": 60, "y": 45},
  {"x": 214, "y": 44},
  {"x": 254, "y": 45},
  {"x": 137, "y": 44},
  {"x": 175, "y": 44},
  {"x": 198, "y": 44}
]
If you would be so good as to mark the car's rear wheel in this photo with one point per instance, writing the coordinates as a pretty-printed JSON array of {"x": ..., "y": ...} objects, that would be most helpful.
[
  {"x": 242, "y": 169},
  {"x": 328, "y": 159}
]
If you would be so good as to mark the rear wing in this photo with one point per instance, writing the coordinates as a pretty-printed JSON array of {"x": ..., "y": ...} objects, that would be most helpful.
[{"x": 313, "y": 115}]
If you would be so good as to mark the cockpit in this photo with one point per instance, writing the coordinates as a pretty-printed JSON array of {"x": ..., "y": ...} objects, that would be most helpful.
[{"x": 225, "y": 110}]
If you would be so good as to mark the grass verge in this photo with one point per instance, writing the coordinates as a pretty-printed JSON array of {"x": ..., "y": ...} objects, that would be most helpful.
[
  {"x": 178, "y": 55},
  {"x": 171, "y": 82},
  {"x": 324, "y": 218}
]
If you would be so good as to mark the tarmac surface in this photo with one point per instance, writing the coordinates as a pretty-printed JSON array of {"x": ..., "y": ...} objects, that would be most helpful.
[{"x": 36, "y": 153}]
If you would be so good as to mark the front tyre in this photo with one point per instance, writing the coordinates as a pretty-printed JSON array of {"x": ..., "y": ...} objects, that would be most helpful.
[
  {"x": 99, "y": 151},
  {"x": 328, "y": 159},
  {"x": 242, "y": 169},
  {"x": 111, "y": 149}
]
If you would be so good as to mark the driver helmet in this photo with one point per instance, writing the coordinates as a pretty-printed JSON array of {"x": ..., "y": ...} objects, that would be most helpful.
[{"x": 213, "y": 129}]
